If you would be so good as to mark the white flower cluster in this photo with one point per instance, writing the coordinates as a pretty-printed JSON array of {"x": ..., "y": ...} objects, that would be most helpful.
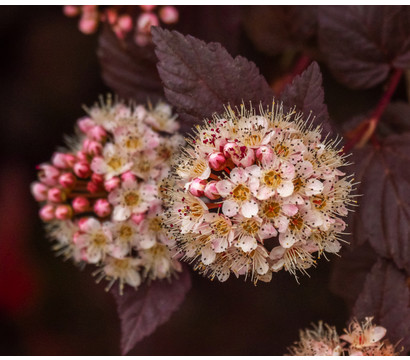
[
  {"x": 101, "y": 197},
  {"x": 254, "y": 194},
  {"x": 360, "y": 339}
]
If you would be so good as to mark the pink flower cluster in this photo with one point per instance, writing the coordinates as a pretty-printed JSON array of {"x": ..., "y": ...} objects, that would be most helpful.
[
  {"x": 254, "y": 194},
  {"x": 100, "y": 197},
  {"x": 360, "y": 339},
  {"x": 123, "y": 19}
]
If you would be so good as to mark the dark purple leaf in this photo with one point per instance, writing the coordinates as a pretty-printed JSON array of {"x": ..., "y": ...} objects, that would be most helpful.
[
  {"x": 142, "y": 311},
  {"x": 363, "y": 43},
  {"x": 274, "y": 29},
  {"x": 201, "y": 78},
  {"x": 306, "y": 92},
  {"x": 350, "y": 270},
  {"x": 386, "y": 296},
  {"x": 128, "y": 69},
  {"x": 383, "y": 215},
  {"x": 396, "y": 119}
]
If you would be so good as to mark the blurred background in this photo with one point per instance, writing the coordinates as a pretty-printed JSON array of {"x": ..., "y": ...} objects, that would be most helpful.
[{"x": 49, "y": 307}]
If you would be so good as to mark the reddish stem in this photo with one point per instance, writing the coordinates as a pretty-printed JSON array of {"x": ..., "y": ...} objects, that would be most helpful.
[
  {"x": 364, "y": 131},
  {"x": 301, "y": 64}
]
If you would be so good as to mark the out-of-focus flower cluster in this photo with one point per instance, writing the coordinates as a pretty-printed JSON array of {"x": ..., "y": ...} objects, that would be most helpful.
[
  {"x": 123, "y": 19},
  {"x": 100, "y": 197},
  {"x": 360, "y": 339},
  {"x": 254, "y": 194}
]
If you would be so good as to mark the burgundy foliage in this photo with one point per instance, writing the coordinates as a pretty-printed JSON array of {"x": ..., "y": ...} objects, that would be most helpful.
[
  {"x": 383, "y": 217},
  {"x": 199, "y": 78},
  {"x": 306, "y": 93},
  {"x": 129, "y": 69},
  {"x": 363, "y": 43},
  {"x": 386, "y": 296},
  {"x": 142, "y": 311}
]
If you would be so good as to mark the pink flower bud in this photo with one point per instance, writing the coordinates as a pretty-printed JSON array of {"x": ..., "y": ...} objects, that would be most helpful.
[
  {"x": 210, "y": 190},
  {"x": 56, "y": 195},
  {"x": 59, "y": 160},
  {"x": 240, "y": 155},
  {"x": 70, "y": 160},
  {"x": 97, "y": 178},
  {"x": 64, "y": 212},
  {"x": 94, "y": 148},
  {"x": 169, "y": 14},
  {"x": 67, "y": 180},
  {"x": 81, "y": 156},
  {"x": 148, "y": 7},
  {"x": 217, "y": 161},
  {"x": 145, "y": 21},
  {"x": 112, "y": 184},
  {"x": 84, "y": 224},
  {"x": 39, "y": 191},
  {"x": 92, "y": 187},
  {"x": 264, "y": 154},
  {"x": 82, "y": 170},
  {"x": 128, "y": 176},
  {"x": 97, "y": 133},
  {"x": 85, "y": 124},
  {"x": 47, "y": 212},
  {"x": 197, "y": 187},
  {"x": 48, "y": 174},
  {"x": 71, "y": 10},
  {"x": 87, "y": 25},
  {"x": 80, "y": 204},
  {"x": 112, "y": 16},
  {"x": 102, "y": 207},
  {"x": 125, "y": 23},
  {"x": 137, "y": 218}
]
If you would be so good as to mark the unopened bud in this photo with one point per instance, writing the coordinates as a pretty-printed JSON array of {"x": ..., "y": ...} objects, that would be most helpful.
[
  {"x": 137, "y": 218},
  {"x": 217, "y": 161},
  {"x": 47, "y": 212},
  {"x": 112, "y": 184},
  {"x": 82, "y": 170},
  {"x": 102, "y": 207},
  {"x": 168, "y": 14},
  {"x": 64, "y": 212},
  {"x": 56, "y": 195},
  {"x": 48, "y": 174},
  {"x": 211, "y": 191},
  {"x": 39, "y": 191},
  {"x": 197, "y": 187},
  {"x": 80, "y": 204},
  {"x": 67, "y": 180}
]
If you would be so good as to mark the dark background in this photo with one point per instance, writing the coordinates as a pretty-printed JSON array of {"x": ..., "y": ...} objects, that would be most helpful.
[{"x": 49, "y": 307}]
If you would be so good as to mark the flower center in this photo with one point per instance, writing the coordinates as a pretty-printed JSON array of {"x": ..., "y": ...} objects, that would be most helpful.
[
  {"x": 272, "y": 179},
  {"x": 319, "y": 201},
  {"x": 250, "y": 226},
  {"x": 133, "y": 143},
  {"x": 155, "y": 224},
  {"x": 270, "y": 209},
  {"x": 196, "y": 210},
  {"x": 222, "y": 227},
  {"x": 281, "y": 150},
  {"x": 253, "y": 140},
  {"x": 125, "y": 232},
  {"x": 132, "y": 198},
  {"x": 99, "y": 239},
  {"x": 199, "y": 167},
  {"x": 297, "y": 184},
  {"x": 240, "y": 193},
  {"x": 115, "y": 163},
  {"x": 296, "y": 222}
]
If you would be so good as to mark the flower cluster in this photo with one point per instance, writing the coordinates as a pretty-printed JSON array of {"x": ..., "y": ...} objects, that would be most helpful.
[
  {"x": 360, "y": 339},
  {"x": 254, "y": 194},
  {"x": 120, "y": 18},
  {"x": 100, "y": 197}
]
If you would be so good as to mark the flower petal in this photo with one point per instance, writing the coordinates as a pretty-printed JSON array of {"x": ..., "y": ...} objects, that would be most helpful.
[
  {"x": 230, "y": 208},
  {"x": 313, "y": 187},
  {"x": 249, "y": 208},
  {"x": 247, "y": 243}
]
